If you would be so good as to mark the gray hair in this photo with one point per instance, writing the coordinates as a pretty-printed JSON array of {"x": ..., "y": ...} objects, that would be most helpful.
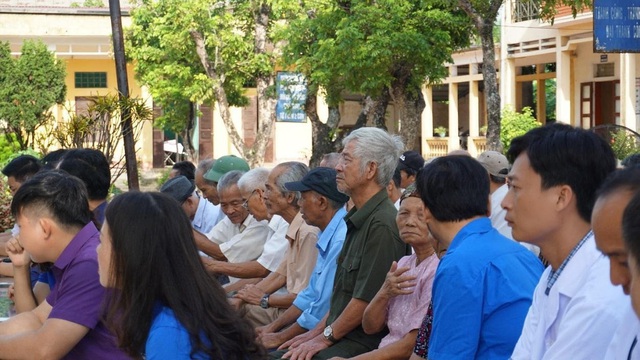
[
  {"x": 294, "y": 171},
  {"x": 204, "y": 166},
  {"x": 373, "y": 145},
  {"x": 229, "y": 179},
  {"x": 254, "y": 179},
  {"x": 331, "y": 159}
]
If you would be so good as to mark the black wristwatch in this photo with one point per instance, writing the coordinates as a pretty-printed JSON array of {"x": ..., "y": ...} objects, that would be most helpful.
[
  {"x": 328, "y": 334},
  {"x": 264, "y": 302}
]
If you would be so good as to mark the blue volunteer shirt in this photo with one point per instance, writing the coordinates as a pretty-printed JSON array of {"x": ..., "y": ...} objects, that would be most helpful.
[
  {"x": 168, "y": 338},
  {"x": 314, "y": 299},
  {"x": 481, "y": 294}
]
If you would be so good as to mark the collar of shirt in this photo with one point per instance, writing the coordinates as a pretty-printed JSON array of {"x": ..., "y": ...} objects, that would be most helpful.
[
  {"x": 69, "y": 253},
  {"x": 480, "y": 225},
  {"x": 246, "y": 223},
  {"x": 554, "y": 274},
  {"x": 357, "y": 217},
  {"x": 294, "y": 227},
  {"x": 325, "y": 236}
]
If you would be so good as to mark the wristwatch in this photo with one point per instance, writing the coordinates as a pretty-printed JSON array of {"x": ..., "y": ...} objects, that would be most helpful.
[
  {"x": 264, "y": 302},
  {"x": 328, "y": 334}
]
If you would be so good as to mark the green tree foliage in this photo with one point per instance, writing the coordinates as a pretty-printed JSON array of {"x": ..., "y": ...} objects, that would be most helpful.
[
  {"x": 548, "y": 8},
  {"x": 202, "y": 52},
  {"x": 384, "y": 49},
  {"x": 29, "y": 86},
  {"x": 515, "y": 124}
]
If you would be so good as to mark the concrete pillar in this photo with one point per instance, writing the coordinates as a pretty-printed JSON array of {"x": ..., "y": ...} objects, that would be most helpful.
[
  {"x": 507, "y": 82},
  {"x": 427, "y": 117},
  {"x": 454, "y": 141},
  {"x": 474, "y": 103},
  {"x": 541, "y": 95},
  {"x": 628, "y": 91},
  {"x": 563, "y": 83}
]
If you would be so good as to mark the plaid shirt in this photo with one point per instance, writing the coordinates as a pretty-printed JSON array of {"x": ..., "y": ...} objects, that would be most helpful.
[{"x": 555, "y": 274}]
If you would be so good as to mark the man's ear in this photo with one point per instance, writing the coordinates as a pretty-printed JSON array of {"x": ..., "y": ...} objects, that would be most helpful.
[
  {"x": 323, "y": 202},
  {"x": 565, "y": 197},
  {"x": 291, "y": 198},
  {"x": 370, "y": 170},
  {"x": 260, "y": 194},
  {"x": 48, "y": 226}
]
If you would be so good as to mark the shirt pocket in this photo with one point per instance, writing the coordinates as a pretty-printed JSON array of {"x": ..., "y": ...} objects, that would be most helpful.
[{"x": 350, "y": 267}]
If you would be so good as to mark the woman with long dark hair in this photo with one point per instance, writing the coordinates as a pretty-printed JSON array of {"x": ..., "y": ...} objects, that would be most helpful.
[{"x": 163, "y": 303}]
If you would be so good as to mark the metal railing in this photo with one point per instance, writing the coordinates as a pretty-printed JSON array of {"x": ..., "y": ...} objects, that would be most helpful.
[{"x": 523, "y": 10}]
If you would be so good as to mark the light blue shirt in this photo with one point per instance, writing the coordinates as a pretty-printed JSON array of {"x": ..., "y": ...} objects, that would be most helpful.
[
  {"x": 481, "y": 294},
  {"x": 314, "y": 299},
  {"x": 206, "y": 216}
]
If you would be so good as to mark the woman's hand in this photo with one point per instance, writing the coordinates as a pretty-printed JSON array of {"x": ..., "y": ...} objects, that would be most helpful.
[{"x": 397, "y": 282}]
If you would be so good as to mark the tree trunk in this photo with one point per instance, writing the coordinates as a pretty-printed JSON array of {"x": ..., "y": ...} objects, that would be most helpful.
[
  {"x": 380, "y": 110},
  {"x": 220, "y": 93},
  {"x": 410, "y": 104},
  {"x": 266, "y": 101},
  {"x": 367, "y": 105},
  {"x": 483, "y": 18},
  {"x": 323, "y": 135},
  {"x": 491, "y": 91}
]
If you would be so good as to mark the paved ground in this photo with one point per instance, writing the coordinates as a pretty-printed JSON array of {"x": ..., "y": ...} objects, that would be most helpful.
[{"x": 148, "y": 179}]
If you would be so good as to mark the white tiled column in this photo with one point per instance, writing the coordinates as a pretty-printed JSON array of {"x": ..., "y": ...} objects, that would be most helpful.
[
  {"x": 427, "y": 118},
  {"x": 628, "y": 90}
]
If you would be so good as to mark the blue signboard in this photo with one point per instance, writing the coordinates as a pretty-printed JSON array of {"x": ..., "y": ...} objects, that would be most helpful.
[
  {"x": 291, "y": 89},
  {"x": 616, "y": 26}
]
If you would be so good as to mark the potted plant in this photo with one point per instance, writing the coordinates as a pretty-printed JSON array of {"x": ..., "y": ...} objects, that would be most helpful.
[
  {"x": 441, "y": 131},
  {"x": 483, "y": 130}
]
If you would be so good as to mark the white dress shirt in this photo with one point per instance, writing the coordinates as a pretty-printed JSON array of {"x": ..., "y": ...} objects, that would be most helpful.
[
  {"x": 276, "y": 245},
  {"x": 579, "y": 316},
  {"x": 623, "y": 339},
  {"x": 240, "y": 243}
]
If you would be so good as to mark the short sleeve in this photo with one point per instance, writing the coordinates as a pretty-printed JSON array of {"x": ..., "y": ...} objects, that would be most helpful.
[
  {"x": 274, "y": 249},
  {"x": 78, "y": 297}
]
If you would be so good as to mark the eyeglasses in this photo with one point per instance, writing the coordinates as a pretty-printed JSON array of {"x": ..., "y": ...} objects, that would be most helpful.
[{"x": 245, "y": 204}]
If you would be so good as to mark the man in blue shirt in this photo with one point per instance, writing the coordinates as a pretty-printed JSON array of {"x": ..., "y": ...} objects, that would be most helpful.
[
  {"x": 202, "y": 213},
  {"x": 485, "y": 282},
  {"x": 321, "y": 205}
]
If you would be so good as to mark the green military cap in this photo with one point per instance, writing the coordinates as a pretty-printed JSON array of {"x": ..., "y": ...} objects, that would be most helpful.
[{"x": 225, "y": 164}]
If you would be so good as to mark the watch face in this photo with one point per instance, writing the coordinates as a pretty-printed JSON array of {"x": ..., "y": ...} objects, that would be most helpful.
[{"x": 328, "y": 331}]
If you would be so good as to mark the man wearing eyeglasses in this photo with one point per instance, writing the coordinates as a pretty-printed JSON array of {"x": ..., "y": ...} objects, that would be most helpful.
[
  {"x": 252, "y": 187},
  {"x": 239, "y": 236},
  {"x": 265, "y": 301}
]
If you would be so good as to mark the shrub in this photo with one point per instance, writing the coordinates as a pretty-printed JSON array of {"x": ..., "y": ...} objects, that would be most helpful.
[
  {"x": 514, "y": 124},
  {"x": 624, "y": 144},
  {"x": 6, "y": 219}
]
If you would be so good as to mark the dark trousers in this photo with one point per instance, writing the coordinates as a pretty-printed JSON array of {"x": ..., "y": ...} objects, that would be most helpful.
[{"x": 344, "y": 348}]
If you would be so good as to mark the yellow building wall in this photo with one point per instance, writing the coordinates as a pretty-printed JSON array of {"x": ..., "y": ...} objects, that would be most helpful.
[{"x": 144, "y": 144}]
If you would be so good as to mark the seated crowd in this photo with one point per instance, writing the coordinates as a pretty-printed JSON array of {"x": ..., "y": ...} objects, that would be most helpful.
[{"x": 373, "y": 254}]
